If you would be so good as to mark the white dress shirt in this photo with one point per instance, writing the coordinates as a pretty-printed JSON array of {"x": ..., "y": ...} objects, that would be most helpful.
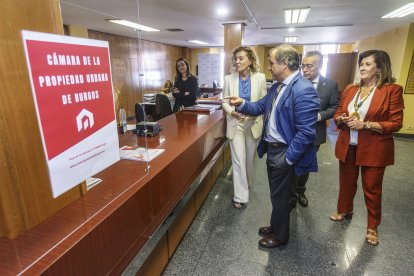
[
  {"x": 362, "y": 111},
  {"x": 272, "y": 134}
]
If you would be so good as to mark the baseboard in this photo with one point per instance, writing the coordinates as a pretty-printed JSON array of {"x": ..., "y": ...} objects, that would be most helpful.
[{"x": 405, "y": 136}]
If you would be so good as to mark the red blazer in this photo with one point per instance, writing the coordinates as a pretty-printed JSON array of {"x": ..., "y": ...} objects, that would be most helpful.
[{"x": 386, "y": 108}]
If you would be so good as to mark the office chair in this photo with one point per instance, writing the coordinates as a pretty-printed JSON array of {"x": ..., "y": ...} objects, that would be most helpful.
[
  {"x": 139, "y": 113},
  {"x": 162, "y": 107}
]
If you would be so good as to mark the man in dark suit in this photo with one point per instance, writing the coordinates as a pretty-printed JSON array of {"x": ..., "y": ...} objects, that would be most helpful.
[
  {"x": 329, "y": 97},
  {"x": 291, "y": 108}
]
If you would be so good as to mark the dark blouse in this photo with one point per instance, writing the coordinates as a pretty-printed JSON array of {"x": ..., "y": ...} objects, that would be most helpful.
[{"x": 189, "y": 85}]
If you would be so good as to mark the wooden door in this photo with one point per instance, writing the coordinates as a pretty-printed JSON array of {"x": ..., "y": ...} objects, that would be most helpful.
[{"x": 341, "y": 67}]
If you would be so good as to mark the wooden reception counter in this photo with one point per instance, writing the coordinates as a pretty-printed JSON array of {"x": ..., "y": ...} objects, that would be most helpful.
[{"x": 101, "y": 232}]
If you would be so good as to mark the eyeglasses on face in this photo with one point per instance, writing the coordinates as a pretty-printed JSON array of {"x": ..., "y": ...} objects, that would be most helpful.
[{"x": 307, "y": 66}]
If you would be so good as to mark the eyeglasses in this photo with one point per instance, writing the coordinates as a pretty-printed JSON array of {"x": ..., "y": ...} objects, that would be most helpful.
[{"x": 307, "y": 66}]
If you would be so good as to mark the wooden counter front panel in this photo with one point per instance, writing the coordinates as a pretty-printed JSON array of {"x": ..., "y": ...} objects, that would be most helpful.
[
  {"x": 103, "y": 231},
  {"x": 79, "y": 261},
  {"x": 168, "y": 187},
  {"x": 100, "y": 250}
]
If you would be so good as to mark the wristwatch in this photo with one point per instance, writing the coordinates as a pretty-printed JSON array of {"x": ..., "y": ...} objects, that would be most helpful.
[{"x": 367, "y": 125}]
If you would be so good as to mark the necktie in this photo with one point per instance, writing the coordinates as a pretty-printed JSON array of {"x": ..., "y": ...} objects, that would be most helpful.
[{"x": 274, "y": 98}]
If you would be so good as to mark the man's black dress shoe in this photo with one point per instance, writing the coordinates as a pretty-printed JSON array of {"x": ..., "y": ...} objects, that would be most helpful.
[
  {"x": 265, "y": 231},
  {"x": 270, "y": 242},
  {"x": 303, "y": 200}
]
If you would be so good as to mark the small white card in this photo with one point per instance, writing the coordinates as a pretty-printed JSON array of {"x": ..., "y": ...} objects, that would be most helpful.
[{"x": 139, "y": 154}]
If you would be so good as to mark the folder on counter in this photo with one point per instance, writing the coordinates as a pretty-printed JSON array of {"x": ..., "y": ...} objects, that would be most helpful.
[
  {"x": 202, "y": 108},
  {"x": 209, "y": 101}
]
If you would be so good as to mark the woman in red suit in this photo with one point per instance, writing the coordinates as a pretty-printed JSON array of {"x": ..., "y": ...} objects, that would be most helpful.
[{"x": 368, "y": 114}]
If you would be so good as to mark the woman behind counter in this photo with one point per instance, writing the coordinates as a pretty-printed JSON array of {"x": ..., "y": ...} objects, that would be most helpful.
[
  {"x": 367, "y": 116},
  {"x": 167, "y": 89},
  {"x": 185, "y": 86},
  {"x": 243, "y": 131}
]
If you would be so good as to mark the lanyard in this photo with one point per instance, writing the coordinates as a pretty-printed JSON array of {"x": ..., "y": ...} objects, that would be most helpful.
[{"x": 358, "y": 105}]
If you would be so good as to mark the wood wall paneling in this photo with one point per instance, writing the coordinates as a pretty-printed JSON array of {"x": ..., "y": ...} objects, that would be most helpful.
[
  {"x": 130, "y": 58},
  {"x": 78, "y": 31},
  {"x": 26, "y": 182},
  {"x": 10, "y": 214},
  {"x": 409, "y": 86}
]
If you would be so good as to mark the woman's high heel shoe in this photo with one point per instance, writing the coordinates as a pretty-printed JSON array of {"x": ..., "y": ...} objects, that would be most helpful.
[
  {"x": 372, "y": 236},
  {"x": 340, "y": 216},
  {"x": 238, "y": 205}
]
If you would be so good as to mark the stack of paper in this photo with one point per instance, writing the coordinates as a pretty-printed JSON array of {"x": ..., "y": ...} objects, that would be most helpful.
[
  {"x": 139, "y": 154},
  {"x": 149, "y": 98},
  {"x": 202, "y": 108}
]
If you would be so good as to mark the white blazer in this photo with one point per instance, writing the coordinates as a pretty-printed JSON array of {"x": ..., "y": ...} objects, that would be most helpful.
[{"x": 258, "y": 91}]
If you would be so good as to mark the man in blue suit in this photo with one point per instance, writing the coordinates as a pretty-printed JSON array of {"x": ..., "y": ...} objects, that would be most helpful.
[{"x": 291, "y": 110}]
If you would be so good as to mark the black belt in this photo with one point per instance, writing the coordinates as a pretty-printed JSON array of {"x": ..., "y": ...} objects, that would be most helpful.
[{"x": 277, "y": 145}]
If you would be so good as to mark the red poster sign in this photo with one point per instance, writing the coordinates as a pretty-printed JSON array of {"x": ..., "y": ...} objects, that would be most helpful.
[{"x": 72, "y": 89}]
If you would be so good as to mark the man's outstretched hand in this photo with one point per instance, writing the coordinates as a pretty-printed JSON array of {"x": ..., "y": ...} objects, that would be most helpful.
[{"x": 234, "y": 100}]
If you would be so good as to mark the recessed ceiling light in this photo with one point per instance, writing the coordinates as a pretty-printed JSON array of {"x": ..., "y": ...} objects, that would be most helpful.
[
  {"x": 290, "y": 39},
  {"x": 222, "y": 11},
  {"x": 291, "y": 29},
  {"x": 134, "y": 25},
  {"x": 294, "y": 16},
  {"x": 401, "y": 12},
  {"x": 198, "y": 42}
]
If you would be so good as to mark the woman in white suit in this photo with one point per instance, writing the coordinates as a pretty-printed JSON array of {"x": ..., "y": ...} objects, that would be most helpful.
[{"x": 243, "y": 131}]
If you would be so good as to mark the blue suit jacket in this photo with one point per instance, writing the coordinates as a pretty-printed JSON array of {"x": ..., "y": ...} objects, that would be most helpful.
[{"x": 296, "y": 115}]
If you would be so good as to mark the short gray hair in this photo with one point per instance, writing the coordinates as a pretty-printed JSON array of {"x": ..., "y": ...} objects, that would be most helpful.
[
  {"x": 288, "y": 53},
  {"x": 318, "y": 54}
]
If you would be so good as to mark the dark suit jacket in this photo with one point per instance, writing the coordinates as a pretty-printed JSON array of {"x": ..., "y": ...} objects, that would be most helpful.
[
  {"x": 386, "y": 108},
  {"x": 329, "y": 96},
  {"x": 296, "y": 114}
]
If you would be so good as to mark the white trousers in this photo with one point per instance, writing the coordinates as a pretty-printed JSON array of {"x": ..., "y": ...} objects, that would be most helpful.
[{"x": 243, "y": 149}]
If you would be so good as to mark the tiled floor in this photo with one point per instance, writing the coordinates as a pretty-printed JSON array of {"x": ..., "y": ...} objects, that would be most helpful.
[{"x": 223, "y": 240}]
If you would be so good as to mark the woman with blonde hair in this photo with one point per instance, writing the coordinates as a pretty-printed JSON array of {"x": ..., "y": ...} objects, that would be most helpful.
[
  {"x": 167, "y": 89},
  {"x": 243, "y": 131}
]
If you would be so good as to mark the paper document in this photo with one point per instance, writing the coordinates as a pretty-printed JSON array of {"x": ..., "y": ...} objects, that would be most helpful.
[
  {"x": 131, "y": 126},
  {"x": 92, "y": 182},
  {"x": 139, "y": 154}
]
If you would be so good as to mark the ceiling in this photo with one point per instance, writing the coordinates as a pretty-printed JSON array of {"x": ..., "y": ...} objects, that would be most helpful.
[{"x": 329, "y": 21}]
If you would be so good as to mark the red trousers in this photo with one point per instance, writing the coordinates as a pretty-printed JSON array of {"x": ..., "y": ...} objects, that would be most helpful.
[{"x": 371, "y": 184}]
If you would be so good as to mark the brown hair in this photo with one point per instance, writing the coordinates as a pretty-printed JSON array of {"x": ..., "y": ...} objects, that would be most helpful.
[
  {"x": 167, "y": 86},
  {"x": 178, "y": 74},
  {"x": 254, "y": 67},
  {"x": 383, "y": 62}
]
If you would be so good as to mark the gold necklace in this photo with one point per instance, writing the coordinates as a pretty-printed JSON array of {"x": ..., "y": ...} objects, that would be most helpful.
[{"x": 358, "y": 105}]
